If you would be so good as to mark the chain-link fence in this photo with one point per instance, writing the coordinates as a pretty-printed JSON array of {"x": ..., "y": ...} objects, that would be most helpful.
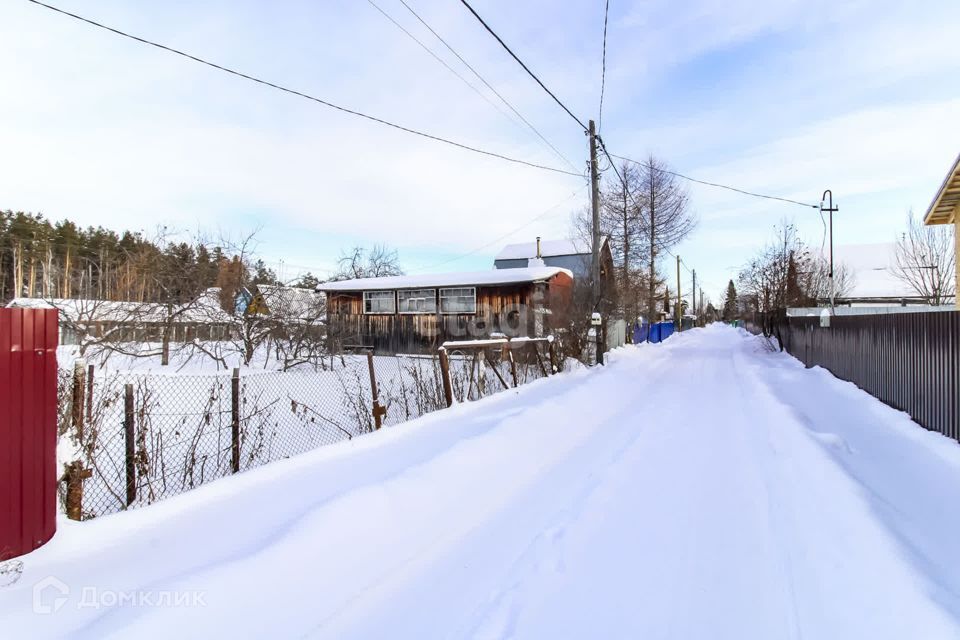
[{"x": 130, "y": 439}]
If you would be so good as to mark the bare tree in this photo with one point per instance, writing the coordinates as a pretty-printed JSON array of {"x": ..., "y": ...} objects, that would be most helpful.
[
  {"x": 786, "y": 273},
  {"x": 643, "y": 214},
  {"x": 299, "y": 332},
  {"x": 376, "y": 262},
  {"x": 666, "y": 217},
  {"x": 622, "y": 221},
  {"x": 925, "y": 260}
]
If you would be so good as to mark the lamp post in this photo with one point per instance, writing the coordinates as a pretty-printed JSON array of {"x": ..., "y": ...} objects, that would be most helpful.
[{"x": 828, "y": 196}]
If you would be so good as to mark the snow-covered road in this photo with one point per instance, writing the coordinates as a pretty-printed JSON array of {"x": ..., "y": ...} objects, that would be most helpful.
[{"x": 702, "y": 488}]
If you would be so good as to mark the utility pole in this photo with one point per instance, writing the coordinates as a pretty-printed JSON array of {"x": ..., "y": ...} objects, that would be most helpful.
[
  {"x": 701, "y": 307},
  {"x": 693, "y": 295},
  {"x": 830, "y": 208},
  {"x": 679, "y": 310},
  {"x": 595, "y": 266}
]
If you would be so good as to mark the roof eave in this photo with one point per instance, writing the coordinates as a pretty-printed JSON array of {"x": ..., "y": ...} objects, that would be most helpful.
[{"x": 943, "y": 209}]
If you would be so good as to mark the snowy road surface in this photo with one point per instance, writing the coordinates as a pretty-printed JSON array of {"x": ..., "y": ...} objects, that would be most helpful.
[{"x": 702, "y": 488}]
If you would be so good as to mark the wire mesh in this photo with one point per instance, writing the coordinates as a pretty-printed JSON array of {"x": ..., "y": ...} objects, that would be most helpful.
[{"x": 186, "y": 430}]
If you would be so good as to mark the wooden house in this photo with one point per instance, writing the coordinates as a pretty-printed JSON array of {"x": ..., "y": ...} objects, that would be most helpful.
[{"x": 416, "y": 314}]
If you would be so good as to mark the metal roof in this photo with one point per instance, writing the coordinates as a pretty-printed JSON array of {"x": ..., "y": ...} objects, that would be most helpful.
[
  {"x": 943, "y": 209},
  {"x": 476, "y": 278},
  {"x": 548, "y": 249}
]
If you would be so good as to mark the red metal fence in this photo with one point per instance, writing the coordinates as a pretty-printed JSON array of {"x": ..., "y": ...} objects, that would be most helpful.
[{"x": 28, "y": 429}]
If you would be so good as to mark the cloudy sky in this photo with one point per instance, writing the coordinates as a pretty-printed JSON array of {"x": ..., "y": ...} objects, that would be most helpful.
[{"x": 782, "y": 97}]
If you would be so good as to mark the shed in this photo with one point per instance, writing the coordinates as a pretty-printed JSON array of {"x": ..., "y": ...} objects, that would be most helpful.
[{"x": 415, "y": 314}]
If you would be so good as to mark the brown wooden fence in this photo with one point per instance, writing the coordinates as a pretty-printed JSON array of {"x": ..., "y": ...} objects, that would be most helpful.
[{"x": 910, "y": 361}]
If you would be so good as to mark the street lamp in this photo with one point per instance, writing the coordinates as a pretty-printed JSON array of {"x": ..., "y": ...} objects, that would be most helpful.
[{"x": 828, "y": 196}]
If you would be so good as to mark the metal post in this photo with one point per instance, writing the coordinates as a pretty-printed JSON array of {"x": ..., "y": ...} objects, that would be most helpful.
[
  {"x": 130, "y": 443},
  {"x": 828, "y": 195},
  {"x": 235, "y": 421}
]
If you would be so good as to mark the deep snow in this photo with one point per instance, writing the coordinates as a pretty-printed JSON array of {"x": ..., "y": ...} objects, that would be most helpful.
[{"x": 702, "y": 488}]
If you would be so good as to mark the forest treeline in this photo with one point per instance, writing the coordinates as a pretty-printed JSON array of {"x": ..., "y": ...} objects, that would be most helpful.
[{"x": 47, "y": 259}]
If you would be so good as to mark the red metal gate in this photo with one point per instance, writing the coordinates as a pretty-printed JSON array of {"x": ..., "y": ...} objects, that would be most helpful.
[{"x": 28, "y": 429}]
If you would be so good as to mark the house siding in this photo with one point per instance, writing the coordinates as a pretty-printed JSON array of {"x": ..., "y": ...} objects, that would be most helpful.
[{"x": 505, "y": 308}]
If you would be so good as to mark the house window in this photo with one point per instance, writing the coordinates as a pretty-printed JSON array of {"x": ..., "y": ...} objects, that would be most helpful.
[
  {"x": 417, "y": 301},
  {"x": 460, "y": 300},
  {"x": 379, "y": 302}
]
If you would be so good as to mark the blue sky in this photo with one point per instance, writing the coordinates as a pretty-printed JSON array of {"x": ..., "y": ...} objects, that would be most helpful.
[{"x": 788, "y": 98}]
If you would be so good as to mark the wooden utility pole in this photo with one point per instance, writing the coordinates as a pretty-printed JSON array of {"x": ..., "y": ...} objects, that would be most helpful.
[
  {"x": 595, "y": 265},
  {"x": 678, "y": 311},
  {"x": 693, "y": 295}
]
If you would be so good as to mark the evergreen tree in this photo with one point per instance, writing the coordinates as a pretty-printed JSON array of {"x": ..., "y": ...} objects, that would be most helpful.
[
  {"x": 730, "y": 303},
  {"x": 308, "y": 281}
]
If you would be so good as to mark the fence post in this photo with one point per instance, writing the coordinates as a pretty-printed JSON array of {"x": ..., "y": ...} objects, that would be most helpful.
[
  {"x": 378, "y": 411},
  {"x": 445, "y": 374},
  {"x": 235, "y": 421},
  {"x": 513, "y": 368},
  {"x": 90, "y": 369},
  {"x": 536, "y": 352},
  {"x": 73, "y": 475},
  {"x": 130, "y": 442},
  {"x": 77, "y": 409},
  {"x": 553, "y": 357}
]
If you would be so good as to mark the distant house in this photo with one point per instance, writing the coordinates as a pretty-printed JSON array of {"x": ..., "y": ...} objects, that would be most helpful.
[
  {"x": 126, "y": 321},
  {"x": 568, "y": 253},
  {"x": 291, "y": 304},
  {"x": 874, "y": 280},
  {"x": 415, "y": 314}
]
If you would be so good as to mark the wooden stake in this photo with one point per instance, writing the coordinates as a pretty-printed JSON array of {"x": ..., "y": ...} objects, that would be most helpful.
[
  {"x": 445, "y": 374},
  {"x": 378, "y": 411}
]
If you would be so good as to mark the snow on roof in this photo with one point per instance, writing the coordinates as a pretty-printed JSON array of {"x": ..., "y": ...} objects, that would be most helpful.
[
  {"x": 474, "y": 278},
  {"x": 872, "y": 266},
  {"x": 292, "y": 302},
  {"x": 206, "y": 308},
  {"x": 548, "y": 248},
  {"x": 89, "y": 310}
]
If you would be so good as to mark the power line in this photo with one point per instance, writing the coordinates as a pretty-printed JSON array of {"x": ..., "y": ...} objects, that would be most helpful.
[
  {"x": 525, "y": 68},
  {"x": 506, "y": 235},
  {"x": 603, "y": 68},
  {"x": 436, "y": 57},
  {"x": 305, "y": 95},
  {"x": 487, "y": 84},
  {"x": 721, "y": 186}
]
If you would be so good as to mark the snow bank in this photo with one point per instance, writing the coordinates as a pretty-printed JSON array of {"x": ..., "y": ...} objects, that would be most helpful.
[{"x": 702, "y": 488}]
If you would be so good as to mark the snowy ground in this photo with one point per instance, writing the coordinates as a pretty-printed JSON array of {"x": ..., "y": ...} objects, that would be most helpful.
[{"x": 702, "y": 488}]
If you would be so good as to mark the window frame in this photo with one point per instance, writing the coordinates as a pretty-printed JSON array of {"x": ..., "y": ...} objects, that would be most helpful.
[
  {"x": 392, "y": 293},
  {"x": 433, "y": 296},
  {"x": 440, "y": 298}
]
